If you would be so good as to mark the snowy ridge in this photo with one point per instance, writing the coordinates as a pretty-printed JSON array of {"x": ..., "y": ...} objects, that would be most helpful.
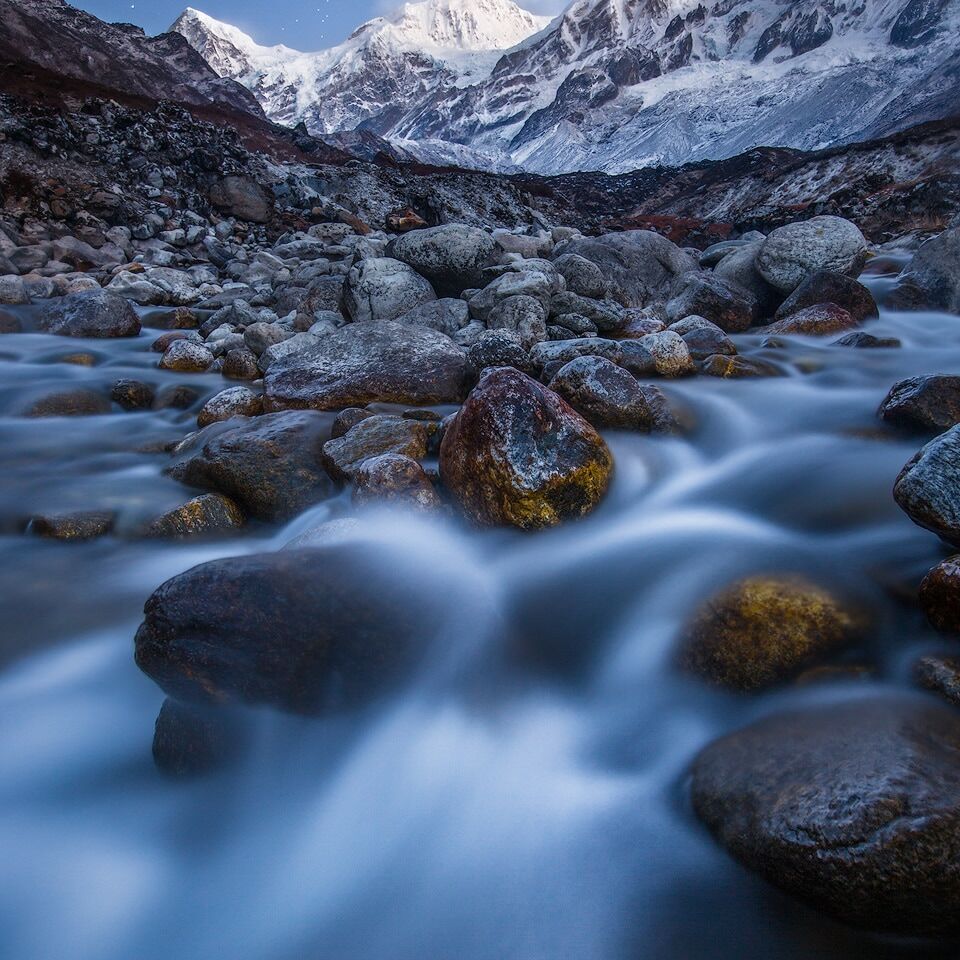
[{"x": 611, "y": 84}]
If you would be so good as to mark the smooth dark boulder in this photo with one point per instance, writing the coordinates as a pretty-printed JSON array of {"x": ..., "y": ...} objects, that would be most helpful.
[
  {"x": 517, "y": 454},
  {"x": 828, "y": 286},
  {"x": 303, "y": 630},
  {"x": 923, "y": 404},
  {"x": 940, "y": 595},
  {"x": 271, "y": 465},
  {"x": 374, "y": 362},
  {"x": 931, "y": 280},
  {"x": 818, "y": 320},
  {"x": 928, "y": 488},
  {"x": 733, "y": 309},
  {"x": 94, "y": 313},
  {"x": 854, "y": 808}
]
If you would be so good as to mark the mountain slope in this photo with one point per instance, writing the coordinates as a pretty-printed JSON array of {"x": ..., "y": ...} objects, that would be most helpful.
[{"x": 615, "y": 84}]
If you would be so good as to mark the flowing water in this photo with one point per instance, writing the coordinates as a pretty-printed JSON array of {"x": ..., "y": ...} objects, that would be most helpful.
[{"x": 524, "y": 797}]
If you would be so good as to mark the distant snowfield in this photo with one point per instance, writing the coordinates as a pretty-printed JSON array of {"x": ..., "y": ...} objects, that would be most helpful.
[{"x": 609, "y": 84}]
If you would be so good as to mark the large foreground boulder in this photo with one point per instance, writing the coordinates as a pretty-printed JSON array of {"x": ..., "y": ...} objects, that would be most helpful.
[
  {"x": 306, "y": 630},
  {"x": 94, "y": 313},
  {"x": 763, "y": 630},
  {"x": 517, "y": 454},
  {"x": 452, "y": 257},
  {"x": 928, "y": 488},
  {"x": 931, "y": 280},
  {"x": 792, "y": 253},
  {"x": 638, "y": 264},
  {"x": 377, "y": 362},
  {"x": 853, "y": 807},
  {"x": 272, "y": 465}
]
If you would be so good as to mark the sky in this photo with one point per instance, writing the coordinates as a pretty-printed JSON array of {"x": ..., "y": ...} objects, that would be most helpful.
[{"x": 302, "y": 24}]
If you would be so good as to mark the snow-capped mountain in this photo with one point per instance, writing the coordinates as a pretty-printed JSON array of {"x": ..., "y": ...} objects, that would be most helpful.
[{"x": 612, "y": 84}]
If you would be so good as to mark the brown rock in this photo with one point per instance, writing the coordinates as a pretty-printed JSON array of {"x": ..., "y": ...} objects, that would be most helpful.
[
  {"x": 373, "y": 436},
  {"x": 209, "y": 514},
  {"x": 940, "y": 595},
  {"x": 397, "y": 480}
]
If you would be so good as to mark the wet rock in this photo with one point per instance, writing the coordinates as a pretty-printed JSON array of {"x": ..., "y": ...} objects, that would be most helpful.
[
  {"x": 452, "y": 257},
  {"x": 940, "y": 596},
  {"x": 563, "y": 351},
  {"x": 84, "y": 525},
  {"x": 523, "y": 316},
  {"x": 77, "y": 402},
  {"x": 517, "y": 454},
  {"x": 172, "y": 336},
  {"x": 190, "y": 741},
  {"x": 816, "y": 321},
  {"x": 762, "y": 630},
  {"x": 207, "y": 515},
  {"x": 176, "y": 396},
  {"x": 828, "y": 286},
  {"x": 232, "y": 402},
  {"x": 940, "y": 675},
  {"x": 928, "y": 488},
  {"x": 133, "y": 394},
  {"x": 731, "y": 308},
  {"x": 703, "y": 338},
  {"x": 392, "y": 478},
  {"x": 923, "y": 404},
  {"x": 866, "y": 341},
  {"x": 639, "y": 264},
  {"x": 9, "y": 323},
  {"x": 305, "y": 630},
  {"x": 370, "y": 362},
  {"x": 931, "y": 281},
  {"x": 792, "y": 253},
  {"x": 671, "y": 355},
  {"x": 384, "y": 289},
  {"x": 609, "y": 396},
  {"x": 184, "y": 356},
  {"x": 95, "y": 313},
  {"x": 851, "y": 807},
  {"x": 373, "y": 436},
  {"x": 582, "y": 276},
  {"x": 736, "y": 368},
  {"x": 498, "y": 348},
  {"x": 347, "y": 419},
  {"x": 13, "y": 290},
  {"x": 241, "y": 364},
  {"x": 271, "y": 465},
  {"x": 243, "y": 198}
]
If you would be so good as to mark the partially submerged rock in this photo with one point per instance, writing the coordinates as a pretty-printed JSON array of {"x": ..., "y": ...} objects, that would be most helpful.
[
  {"x": 229, "y": 403},
  {"x": 818, "y": 320},
  {"x": 95, "y": 313},
  {"x": 517, "y": 454},
  {"x": 854, "y": 808},
  {"x": 828, "y": 286},
  {"x": 81, "y": 525},
  {"x": 928, "y": 488},
  {"x": 763, "y": 630},
  {"x": 940, "y": 595},
  {"x": 923, "y": 404},
  {"x": 207, "y": 515},
  {"x": 370, "y": 362},
  {"x": 931, "y": 281},
  {"x": 397, "y": 480},
  {"x": 373, "y": 436}
]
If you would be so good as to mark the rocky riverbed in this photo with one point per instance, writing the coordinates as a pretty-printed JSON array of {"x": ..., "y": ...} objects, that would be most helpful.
[{"x": 518, "y": 567}]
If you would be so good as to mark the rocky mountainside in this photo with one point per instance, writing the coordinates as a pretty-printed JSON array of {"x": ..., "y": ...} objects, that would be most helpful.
[{"x": 618, "y": 84}]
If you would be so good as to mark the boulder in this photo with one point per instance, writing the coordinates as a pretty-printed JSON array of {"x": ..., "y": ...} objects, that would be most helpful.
[
  {"x": 762, "y": 630},
  {"x": 271, "y": 465},
  {"x": 445, "y": 316},
  {"x": 76, "y": 402},
  {"x": 731, "y": 308},
  {"x": 452, "y": 257},
  {"x": 605, "y": 315},
  {"x": 792, "y": 253},
  {"x": 582, "y": 276},
  {"x": 305, "y": 630},
  {"x": 95, "y": 313},
  {"x": 940, "y": 596},
  {"x": 940, "y": 675},
  {"x": 13, "y": 290},
  {"x": 516, "y": 453},
  {"x": 738, "y": 368},
  {"x": 828, "y": 286},
  {"x": 373, "y": 436},
  {"x": 183, "y": 356},
  {"x": 928, "y": 488},
  {"x": 816, "y": 321},
  {"x": 923, "y": 404},
  {"x": 609, "y": 396},
  {"x": 243, "y": 198},
  {"x": 931, "y": 280},
  {"x": 498, "y": 348},
  {"x": 854, "y": 808},
  {"x": 639, "y": 265},
  {"x": 133, "y": 394},
  {"x": 563, "y": 351},
  {"x": 523, "y": 316},
  {"x": 671, "y": 355},
  {"x": 740, "y": 270},
  {"x": 527, "y": 283},
  {"x": 376, "y": 362},
  {"x": 396, "y": 480},
  {"x": 384, "y": 289},
  {"x": 703, "y": 338}
]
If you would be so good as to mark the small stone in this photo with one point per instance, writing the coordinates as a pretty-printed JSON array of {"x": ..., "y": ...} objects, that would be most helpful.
[
  {"x": 241, "y": 364},
  {"x": 229, "y": 403},
  {"x": 861, "y": 340},
  {"x": 88, "y": 525},
  {"x": 392, "y": 478},
  {"x": 190, "y": 741},
  {"x": 176, "y": 396},
  {"x": 671, "y": 356},
  {"x": 133, "y": 394},
  {"x": 206, "y": 515},
  {"x": 763, "y": 630},
  {"x": 735, "y": 368},
  {"x": 183, "y": 356},
  {"x": 940, "y": 596}
]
